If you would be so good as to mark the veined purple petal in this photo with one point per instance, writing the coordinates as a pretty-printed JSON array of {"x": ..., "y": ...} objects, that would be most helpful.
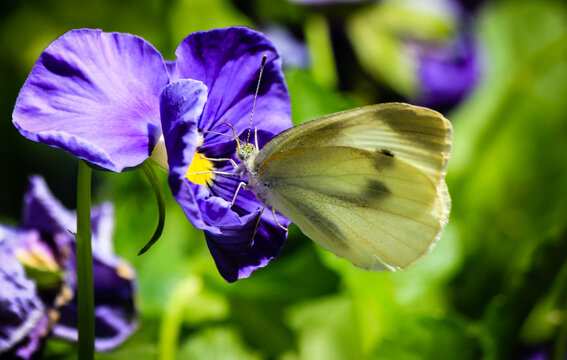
[
  {"x": 236, "y": 254},
  {"x": 95, "y": 95},
  {"x": 181, "y": 105},
  {"x": 228, "y": 62}
]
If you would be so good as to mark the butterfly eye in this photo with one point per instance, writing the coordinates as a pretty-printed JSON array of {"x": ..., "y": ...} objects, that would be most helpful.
[{"x": 242, "y": 154}]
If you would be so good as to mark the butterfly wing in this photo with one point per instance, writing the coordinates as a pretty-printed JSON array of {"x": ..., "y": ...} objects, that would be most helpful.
[{"x": 367, "y": 184}]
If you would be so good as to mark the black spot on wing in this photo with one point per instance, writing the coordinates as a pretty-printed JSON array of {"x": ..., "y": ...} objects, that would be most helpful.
[
  {"x": 386, "y": 152},
  {"x": 370, "y": 193},
  {"x": 381, "y": 159},
  {"x": 376, "y": 190}
]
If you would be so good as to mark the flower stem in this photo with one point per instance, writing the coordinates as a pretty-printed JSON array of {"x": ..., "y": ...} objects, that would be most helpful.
[{"x": 85, "y": 285}]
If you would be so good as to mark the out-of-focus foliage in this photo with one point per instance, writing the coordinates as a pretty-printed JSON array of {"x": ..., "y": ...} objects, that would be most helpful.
[{"x": 494, "y": 286}]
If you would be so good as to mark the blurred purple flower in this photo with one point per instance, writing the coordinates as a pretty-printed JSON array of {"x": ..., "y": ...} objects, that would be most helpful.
[
  {"x": 446, "y": 72},
  {"x": 38, "y": 268},
  {"x": 227, "y": 62},
  {"x": 103, "y": 96}
]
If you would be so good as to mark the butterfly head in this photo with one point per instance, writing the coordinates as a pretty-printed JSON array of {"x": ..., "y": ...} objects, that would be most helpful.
[{"x": 245, "y": 151}]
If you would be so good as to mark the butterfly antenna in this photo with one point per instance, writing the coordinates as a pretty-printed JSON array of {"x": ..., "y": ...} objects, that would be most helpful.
[
  {"x": 256, "y": 95},
  {"x": 217, "y": 133}
]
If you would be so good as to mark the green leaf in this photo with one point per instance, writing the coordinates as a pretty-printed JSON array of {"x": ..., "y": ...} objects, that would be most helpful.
[
  {"x": 217, "y": 343},
  {"x": 188, "y": 16},
  {"x": 317, "y": 34},
  {"x": 326, "y": 329},
  {"x": 430, "y": 338},
  {"x": 311, "y": 100}
]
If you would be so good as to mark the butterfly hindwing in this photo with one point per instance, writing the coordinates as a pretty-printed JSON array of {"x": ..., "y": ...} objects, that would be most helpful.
[{"x": 366, "y": 184}]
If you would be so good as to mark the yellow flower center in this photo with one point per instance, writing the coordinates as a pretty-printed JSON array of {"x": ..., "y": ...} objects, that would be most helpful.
[
  {"x": 36, "y": 257},
  {"x": 198, "y": 166}
]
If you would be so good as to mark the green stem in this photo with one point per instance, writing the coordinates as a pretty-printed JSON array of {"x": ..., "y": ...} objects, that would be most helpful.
[
  {"x": 85, "y": 284},
  {"x": 318, "y": 38},
  {"x": 154, "y": 181},
  {"x": 172, "y": 319}
]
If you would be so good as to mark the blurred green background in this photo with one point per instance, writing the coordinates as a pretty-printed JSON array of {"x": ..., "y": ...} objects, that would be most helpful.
[{"x": 494, "y": 287}]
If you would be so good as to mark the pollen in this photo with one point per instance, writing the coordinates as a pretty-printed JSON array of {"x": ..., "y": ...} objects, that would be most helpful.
[{"x": 200, "y": 170}]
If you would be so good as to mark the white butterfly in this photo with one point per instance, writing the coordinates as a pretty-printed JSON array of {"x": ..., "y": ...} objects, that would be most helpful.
[{"x": 367, "y": 184}]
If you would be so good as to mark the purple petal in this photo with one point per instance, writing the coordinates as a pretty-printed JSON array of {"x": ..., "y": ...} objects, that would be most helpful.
[
  {"x": 115, "y": 311},
  {"x": 116, "y": 317},
  {"x": 23, "y": 321},
  {"x": 42, "y": 211},
  {"x": 447, "y": 73},
  {"x": 181, "y": 105},
  {"x": 172, "y": 70},
  {"x": 233, "y": 250},
  {"x": 102, "y": 220},
  {"x": 228, "y": 231},
  {"x": 228, "y": 62},
  {"x": 114, "y": 288},
  {"x": 95, "y": 95}
]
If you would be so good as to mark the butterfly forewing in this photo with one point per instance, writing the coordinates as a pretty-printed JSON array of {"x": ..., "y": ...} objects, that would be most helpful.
[{"x": 366, "y": 184}]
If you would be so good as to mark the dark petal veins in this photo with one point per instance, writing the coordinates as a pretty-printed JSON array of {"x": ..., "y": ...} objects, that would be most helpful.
[
  {"x": 228, "y": 62},
  {"x": 95, "y": 95}
]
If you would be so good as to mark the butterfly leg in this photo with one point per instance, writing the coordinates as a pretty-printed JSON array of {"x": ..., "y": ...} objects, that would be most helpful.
[
  {"x": 280, "y": 225},
  {"x": 241, "y": 184},
  {"x": 211, "y": 172},
  {"x": 222, "y": 159},
  {"x": 256, "y": 226}
]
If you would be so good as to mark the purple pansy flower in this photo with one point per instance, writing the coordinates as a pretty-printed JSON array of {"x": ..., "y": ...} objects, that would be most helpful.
[
  {"x": 39, "y": 278},
  {"x": 113, "y": 101},
  {"x": 228, "y": 64}
]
